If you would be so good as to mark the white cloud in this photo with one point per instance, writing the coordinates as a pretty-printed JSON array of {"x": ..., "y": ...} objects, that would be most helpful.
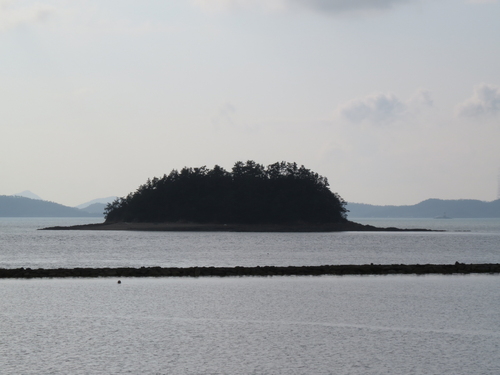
[
  {"x": 421, "y": 99},
  {"x": 336, "y": 6},
  {"x": 12, "y": 16},
  {"x": 323, "y": 6},
  {"x": 384, "y": 107},
  {"x": 484, "y": 101},
  {"x": 376, "y": 107}
]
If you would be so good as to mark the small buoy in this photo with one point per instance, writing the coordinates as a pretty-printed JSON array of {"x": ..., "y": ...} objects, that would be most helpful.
[{"x": 119, "y": 282}]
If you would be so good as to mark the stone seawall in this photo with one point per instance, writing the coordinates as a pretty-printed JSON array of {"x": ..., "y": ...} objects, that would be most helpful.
[{"x": 367, "y": 269}]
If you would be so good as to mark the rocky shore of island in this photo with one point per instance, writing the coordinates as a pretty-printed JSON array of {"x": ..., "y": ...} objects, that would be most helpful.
[
  {"x": 262, "y": 271},
  {"x": 211, "y": 227}
]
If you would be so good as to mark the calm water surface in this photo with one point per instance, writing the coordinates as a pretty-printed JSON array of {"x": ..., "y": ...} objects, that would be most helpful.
[
  {"x": 279, "y": 325},
  {"x": 466, "y": 241}
]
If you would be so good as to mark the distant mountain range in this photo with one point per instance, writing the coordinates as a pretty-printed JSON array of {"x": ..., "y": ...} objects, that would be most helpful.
[
  {"x": 96, "y": 206},
  {"x": 16, "y": 206},
  {"x": 19, "y": 206},
  {"x": 103, "y": 201},
  {"x": 28, "y": 204},
  {"x": 27, "y": 194},
  {"x": 430, "y": 208}
]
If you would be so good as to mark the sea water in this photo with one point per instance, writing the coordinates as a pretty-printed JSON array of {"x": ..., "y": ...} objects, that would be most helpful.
[
  {"x": 250, "y": 325},
  {"x": 464, "y": 241},
  {"x": 280, "y": 325}
]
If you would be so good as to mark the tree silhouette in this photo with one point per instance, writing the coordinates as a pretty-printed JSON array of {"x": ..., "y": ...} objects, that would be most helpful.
[{"x": 279, "y": 194}]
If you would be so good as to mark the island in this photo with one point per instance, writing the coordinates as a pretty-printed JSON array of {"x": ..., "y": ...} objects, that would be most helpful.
[{"x": 281, "y": 197}]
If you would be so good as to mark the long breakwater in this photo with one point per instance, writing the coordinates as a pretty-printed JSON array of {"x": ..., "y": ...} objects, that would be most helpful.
[{"x": 366, "y": 269}]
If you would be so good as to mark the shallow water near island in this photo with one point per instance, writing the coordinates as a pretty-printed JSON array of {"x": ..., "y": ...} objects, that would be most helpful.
[{"x": 251, "y": 325}]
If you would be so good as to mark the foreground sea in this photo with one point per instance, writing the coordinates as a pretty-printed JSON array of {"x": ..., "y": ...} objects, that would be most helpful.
[{"x": 394, "y": 324}]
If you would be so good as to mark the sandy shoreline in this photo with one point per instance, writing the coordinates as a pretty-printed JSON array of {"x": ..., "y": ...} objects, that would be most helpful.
[{"x": 196, "y": 227}]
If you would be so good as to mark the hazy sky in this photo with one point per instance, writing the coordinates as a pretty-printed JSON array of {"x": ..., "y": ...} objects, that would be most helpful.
[{"x": 394, "y": 101}]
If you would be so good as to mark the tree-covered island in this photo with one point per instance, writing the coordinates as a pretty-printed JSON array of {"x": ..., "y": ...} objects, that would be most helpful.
[
  {"x": 281, "y": 197},
  {"x": 282, "y": 193}
]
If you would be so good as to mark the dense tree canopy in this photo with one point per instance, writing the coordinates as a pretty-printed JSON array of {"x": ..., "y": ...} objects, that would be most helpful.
[{"x": 279, "y": 194}]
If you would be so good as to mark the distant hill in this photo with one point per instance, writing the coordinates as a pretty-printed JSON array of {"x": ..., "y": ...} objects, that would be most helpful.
[
  {"x": 95, "y": 208},
  {"x": 430, "y": 208},
  {"x": 27, "y": 194},
  {"x": 104, "y": 201},
  {"x": 15, "y": 206}
]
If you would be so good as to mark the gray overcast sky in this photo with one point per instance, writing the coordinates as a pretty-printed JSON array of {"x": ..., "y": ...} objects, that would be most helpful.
[{"x": 394, "y": 101}]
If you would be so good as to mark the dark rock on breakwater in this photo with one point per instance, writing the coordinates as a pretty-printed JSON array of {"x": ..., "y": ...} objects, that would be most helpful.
[{"x": 366, "y": 269}]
